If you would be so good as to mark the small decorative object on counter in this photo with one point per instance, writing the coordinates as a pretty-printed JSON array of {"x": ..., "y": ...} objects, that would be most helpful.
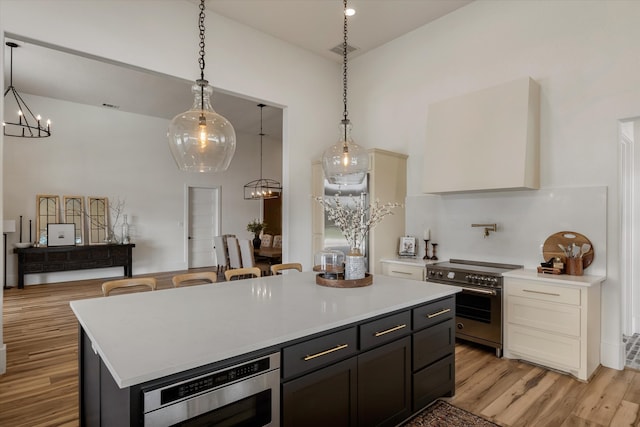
[
  {"x": 572, "y": 249},
  {"x": 355, "y": 219},
  {"x": 329, "y": 262},
  {"x": 426, "y": 249},
  {"x": 354, "y": 265},
  {"x": 434, "y": 257}
]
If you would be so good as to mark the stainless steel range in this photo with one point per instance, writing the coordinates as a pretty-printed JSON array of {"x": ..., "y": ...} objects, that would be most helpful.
[{"x": 479, "y": 305}]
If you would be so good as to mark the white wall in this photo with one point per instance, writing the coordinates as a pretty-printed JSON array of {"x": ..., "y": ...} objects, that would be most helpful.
[{"x": 584, "y": 55}]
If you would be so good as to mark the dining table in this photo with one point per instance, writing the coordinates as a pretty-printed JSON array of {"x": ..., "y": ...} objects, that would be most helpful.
[{"x": 273, "y": 255}]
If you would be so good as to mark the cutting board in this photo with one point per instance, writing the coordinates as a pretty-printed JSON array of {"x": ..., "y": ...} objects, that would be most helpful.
[{"x": 550, "y": 249}]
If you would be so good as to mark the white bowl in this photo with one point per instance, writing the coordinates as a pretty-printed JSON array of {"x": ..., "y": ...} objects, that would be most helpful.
[{"x": 23, "y": 245}]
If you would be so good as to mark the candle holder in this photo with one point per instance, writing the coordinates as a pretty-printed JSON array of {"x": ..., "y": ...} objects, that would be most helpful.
[
  {"x": 434, "y": 257},
  {"x": 426, "y": 249}
]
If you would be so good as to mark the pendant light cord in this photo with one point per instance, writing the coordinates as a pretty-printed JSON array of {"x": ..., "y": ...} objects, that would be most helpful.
[
  {"x": 261, "y": 135},
  {"x": 201, "y": 59},
  {"x": 344, "y": 67}
]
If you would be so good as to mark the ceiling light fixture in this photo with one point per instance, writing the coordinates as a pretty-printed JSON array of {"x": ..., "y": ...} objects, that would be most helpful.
[
  {"x": 345, "y": 162},
  {"x": 200, "y": 139},
  {"x": 262, "y": 188},
  {"x": 28, "y": 124}
]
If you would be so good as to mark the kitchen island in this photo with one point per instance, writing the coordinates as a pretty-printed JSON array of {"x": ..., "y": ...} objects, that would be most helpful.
[{"x": 134, "y": 342}]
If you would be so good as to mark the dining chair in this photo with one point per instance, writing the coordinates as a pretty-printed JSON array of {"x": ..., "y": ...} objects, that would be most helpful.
[
  {"x": 240, "y": 272},
  {"x": 222, "y": 253},
  {"x": 234, "y": 253},
  {"x": 277, "y": 241},
  {"x": 277, "y": 268},
  {"x": 195, "y": 278},
  {"x": 134, "y": 282},
  {"x": 265, "y": 240}
]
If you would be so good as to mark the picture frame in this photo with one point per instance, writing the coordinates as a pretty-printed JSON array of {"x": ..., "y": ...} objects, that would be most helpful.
[
  {"x": 61, "y": 234},
  {"x": 407, "y": 247}
]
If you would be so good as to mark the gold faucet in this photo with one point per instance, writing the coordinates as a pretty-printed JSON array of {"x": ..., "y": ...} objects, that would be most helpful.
[{"x": 487, "y": 228}]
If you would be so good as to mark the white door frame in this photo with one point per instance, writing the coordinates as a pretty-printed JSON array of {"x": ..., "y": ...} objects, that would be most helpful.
[
  {"x": 628, "y": 240},
  {"x": 187, "y": 216}
]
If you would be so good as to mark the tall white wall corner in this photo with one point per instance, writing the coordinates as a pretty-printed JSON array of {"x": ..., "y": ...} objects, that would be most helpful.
[{"x": 612, "y": 354}]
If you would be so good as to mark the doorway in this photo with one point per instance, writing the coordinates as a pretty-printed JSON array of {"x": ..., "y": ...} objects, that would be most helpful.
[
  {"x": 272, "y": 213},
  {"x": 203, "y": 207},
  {"x": 629, "y": 132}
]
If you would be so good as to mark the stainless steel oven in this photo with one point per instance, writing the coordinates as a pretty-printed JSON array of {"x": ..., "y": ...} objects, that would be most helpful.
[
  {"x": 243, "y": 395},
  {"x": 479, "y": 305}
]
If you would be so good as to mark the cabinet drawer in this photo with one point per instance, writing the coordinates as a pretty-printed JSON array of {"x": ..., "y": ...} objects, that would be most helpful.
[
  {"x": 384, "y": 330},
  {"x": 317, "y": 352},
  {"x": 403, "y": 271},
  {"x": 543, "y": 347},
  {"x": 432, "y": 344},
  {"x": 550, "y": 317},
  {"x": 434, "y": 381},
  {"x": 535, "y": 290},
  {"x": 434, "y": 312}
]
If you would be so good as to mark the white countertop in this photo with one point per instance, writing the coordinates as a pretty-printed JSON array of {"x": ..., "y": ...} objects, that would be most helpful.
[
  {"x": 559, "y": 279},
  {"x": 149, "y": 335}
]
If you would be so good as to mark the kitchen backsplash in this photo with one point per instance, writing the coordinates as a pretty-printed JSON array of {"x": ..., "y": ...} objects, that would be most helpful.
[{"x": 524, "y": 221}]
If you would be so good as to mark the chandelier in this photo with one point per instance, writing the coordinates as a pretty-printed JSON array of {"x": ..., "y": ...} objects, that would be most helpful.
[
  {"x": 262, "y": 188},
  {"x": 28, "y": 125},
  {"x": 200, "y": 139},
  {"x": 345, "y": 162}
]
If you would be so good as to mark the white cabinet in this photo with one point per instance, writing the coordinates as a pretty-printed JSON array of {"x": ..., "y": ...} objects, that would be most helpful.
[
  {"x": 553, "y": 321},
  {"x": 387, "y": 183},
  {"x": 485, "y": 140},
  {"x": 404, "y": 269}
]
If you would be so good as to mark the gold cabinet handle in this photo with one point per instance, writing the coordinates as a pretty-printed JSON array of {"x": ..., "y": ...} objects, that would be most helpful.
[
  {"x": 381, "y": 333},
  {"x": 323, "y": 353},
  {"x": 431, "y": 316},
  {"x": 539, "y": 292}
]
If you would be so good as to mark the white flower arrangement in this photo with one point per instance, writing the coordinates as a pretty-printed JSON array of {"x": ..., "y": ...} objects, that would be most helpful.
[{"x": 355, "y": 219}]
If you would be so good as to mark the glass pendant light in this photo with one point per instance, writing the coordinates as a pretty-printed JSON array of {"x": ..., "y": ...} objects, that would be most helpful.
[
  {"x": 345, "y": 162},
  {"x": 262, "y": 188},
  {"x": 200, "y": 139}
]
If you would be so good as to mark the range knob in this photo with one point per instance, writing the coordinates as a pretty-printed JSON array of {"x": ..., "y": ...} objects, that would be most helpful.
[
  {"x": 440, "y": 274},
  {"x": 469, "y": 278}
]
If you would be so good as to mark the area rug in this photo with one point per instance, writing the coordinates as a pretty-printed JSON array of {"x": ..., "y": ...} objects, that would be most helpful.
[{"x": 442, "y": 414}]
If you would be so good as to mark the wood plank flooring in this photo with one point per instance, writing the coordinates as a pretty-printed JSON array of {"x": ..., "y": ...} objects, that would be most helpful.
[{"x": 41, "y": 382}]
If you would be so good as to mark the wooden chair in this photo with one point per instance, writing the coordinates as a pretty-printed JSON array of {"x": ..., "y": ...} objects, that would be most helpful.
[
  {"x": 134, "y": 282},
  {"x": 277, "y": 241},
  {"x": 222, "y": 254},
  {"x": 234, "y": 253},
  {"x": 197, "y": 277},
  {"x": 277, "y": 268},
  {"x": 265, "y": 240},
  {"x": 248, "y": 257},
  {"x": 236, "y": 272}
]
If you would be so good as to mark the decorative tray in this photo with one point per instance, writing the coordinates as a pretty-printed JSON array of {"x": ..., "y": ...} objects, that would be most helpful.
[{"x": 344, "y": 283}]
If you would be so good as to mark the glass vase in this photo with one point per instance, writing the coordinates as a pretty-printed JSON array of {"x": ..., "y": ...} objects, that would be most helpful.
[
  {"x": 126, "y": 239},
  {"x": 354, "y": 265}
]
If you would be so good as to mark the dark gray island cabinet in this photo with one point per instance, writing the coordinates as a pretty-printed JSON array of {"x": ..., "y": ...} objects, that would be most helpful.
[{"x": 377, "y": 370}]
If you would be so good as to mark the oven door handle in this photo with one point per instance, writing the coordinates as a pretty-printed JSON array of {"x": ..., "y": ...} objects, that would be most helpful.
[{"x": 480, "y": 291}]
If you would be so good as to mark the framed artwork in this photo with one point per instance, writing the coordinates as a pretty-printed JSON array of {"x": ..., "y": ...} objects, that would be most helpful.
[
  {"x": 61, "y": 234},
  {"x": 407, "y": 246}
]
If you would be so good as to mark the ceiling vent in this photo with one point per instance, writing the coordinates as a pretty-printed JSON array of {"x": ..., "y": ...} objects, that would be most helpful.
[{"x": 338, "y": 49}]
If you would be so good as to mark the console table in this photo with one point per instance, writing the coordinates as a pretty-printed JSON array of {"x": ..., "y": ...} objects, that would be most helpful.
[{"x": 65, "y": 258}]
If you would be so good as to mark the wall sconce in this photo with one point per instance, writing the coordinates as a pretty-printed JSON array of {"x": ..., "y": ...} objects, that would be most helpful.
[{"x": 487, "y": 228}]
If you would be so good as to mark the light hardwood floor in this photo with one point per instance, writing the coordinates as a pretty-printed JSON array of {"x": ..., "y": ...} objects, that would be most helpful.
[{"x": 40, "y": 385}]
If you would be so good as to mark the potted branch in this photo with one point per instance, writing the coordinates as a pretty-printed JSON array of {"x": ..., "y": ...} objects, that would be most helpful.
[{"x": 256, "y": 228}]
